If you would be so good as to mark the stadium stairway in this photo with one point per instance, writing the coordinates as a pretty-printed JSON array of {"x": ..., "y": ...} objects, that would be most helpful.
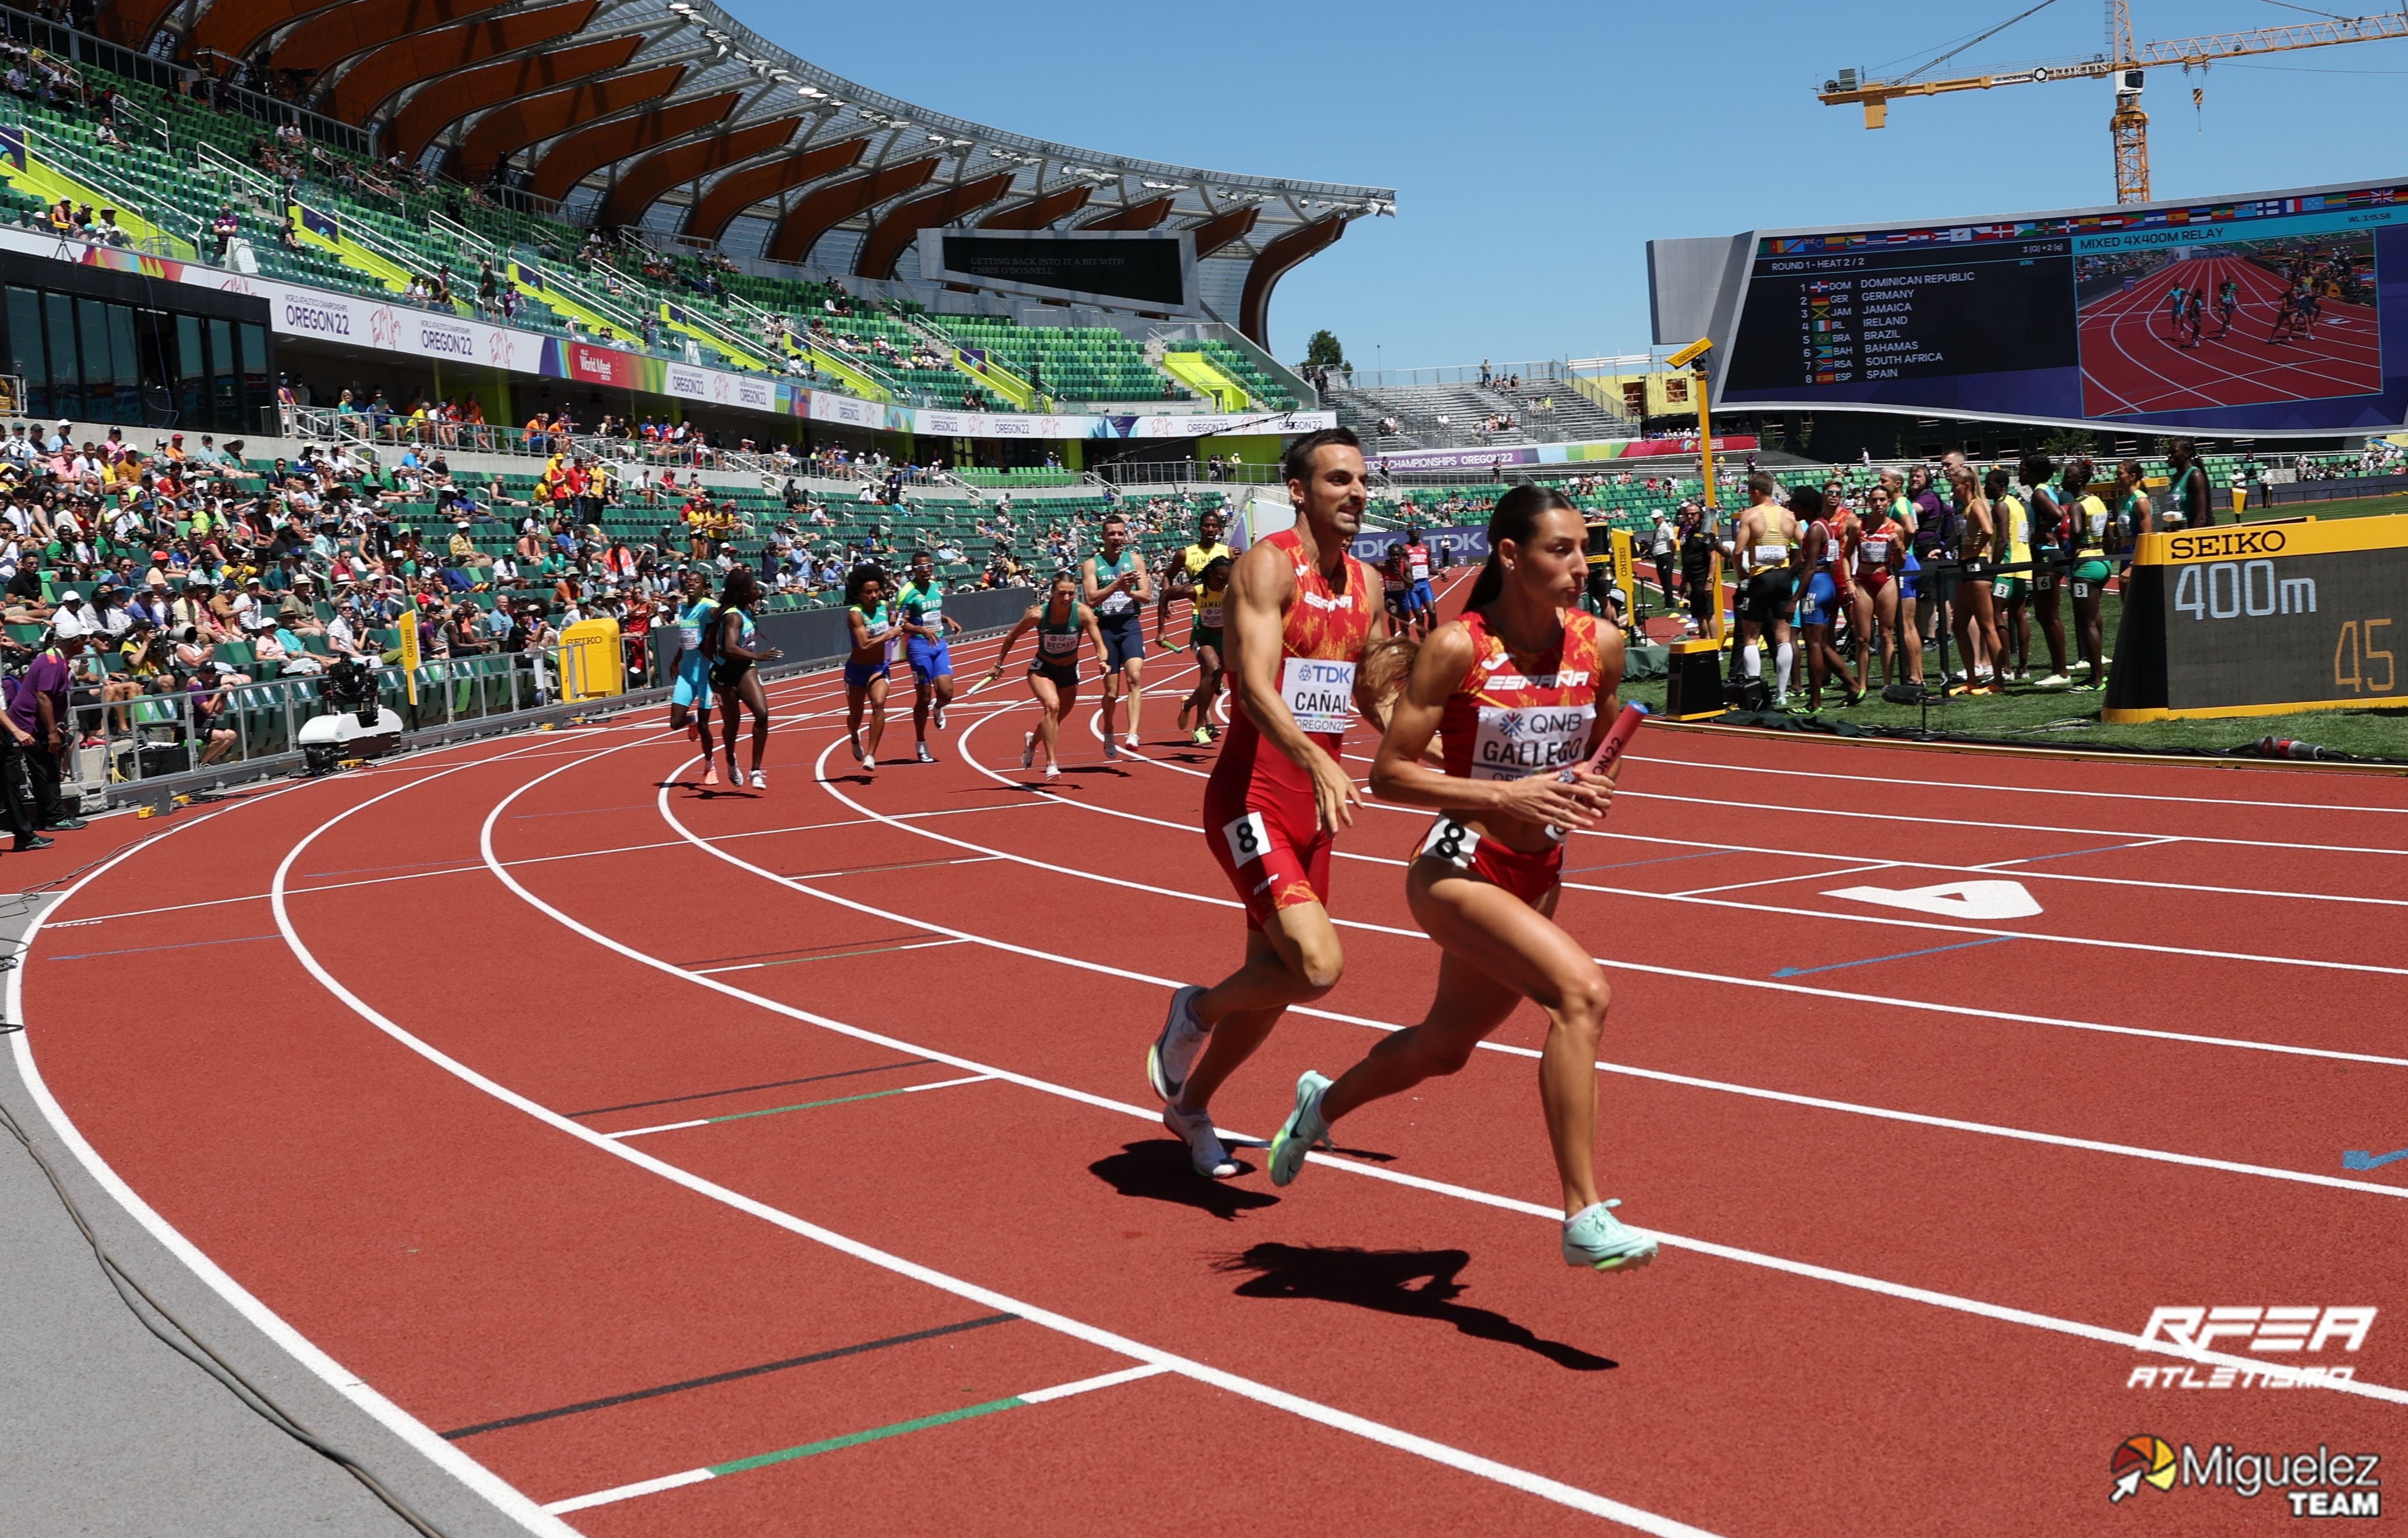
[{"x": 1194, "y": 370}]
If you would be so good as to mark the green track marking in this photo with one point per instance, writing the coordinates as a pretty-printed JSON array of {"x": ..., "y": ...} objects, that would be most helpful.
[
  {"x": 810, "y": 1105},
  {"x": 855, "y": 1439}
]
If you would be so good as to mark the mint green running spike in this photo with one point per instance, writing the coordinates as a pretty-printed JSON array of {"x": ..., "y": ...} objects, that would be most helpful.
[
  {"x": 1301, "y": 1131},
  {"x": 1594, "y": 1237}
]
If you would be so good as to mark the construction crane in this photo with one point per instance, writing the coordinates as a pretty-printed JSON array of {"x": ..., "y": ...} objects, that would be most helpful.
[{"x": 2122, "y": 62}]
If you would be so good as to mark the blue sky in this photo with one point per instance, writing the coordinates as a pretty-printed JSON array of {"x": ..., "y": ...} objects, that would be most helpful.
[{"x": 1536, "y": 147}]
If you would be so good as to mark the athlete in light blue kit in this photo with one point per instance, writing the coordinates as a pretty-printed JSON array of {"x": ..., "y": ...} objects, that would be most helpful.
[
  {"x": 1115, "y": 584},
  {"x": 690, "y": 694}
]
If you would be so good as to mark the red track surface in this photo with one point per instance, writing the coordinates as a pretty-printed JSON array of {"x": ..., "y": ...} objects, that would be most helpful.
[
  {"x": 2131, "y": 361},
  {"x": 1915, "y": 1209}
]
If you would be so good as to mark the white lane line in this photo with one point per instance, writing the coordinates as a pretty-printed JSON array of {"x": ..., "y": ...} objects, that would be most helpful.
[
  {"x": 629, "y": 1492},
  {"x": 696, "y": 1476},
  {"x": 1783, "y": 881},
  {"x": 1792, "y": 851},
  {"x": 1804, "y": 810},
  {"x": 2245, "y": 1044},
  {"x": 1897, "y": 1291},
  {"x": 421, "y": 1437},
  {"x": 1818, "y": 1103},
  {"x": 1261, "y": 1393},
  {"x": 2044, "y": 936},
  {"x": 549, "y": 860},
  {"x": 2220, "y": 802},
  {"x": 1102, "y": 1380}
]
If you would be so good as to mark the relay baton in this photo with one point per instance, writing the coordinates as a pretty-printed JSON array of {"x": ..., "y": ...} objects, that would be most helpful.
[{"x": 1617, "y": 737}]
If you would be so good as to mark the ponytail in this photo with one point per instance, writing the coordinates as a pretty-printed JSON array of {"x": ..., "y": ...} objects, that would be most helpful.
[
  {"x": 1515, "y": 518},
  {"x": 1388, "y": 664}
]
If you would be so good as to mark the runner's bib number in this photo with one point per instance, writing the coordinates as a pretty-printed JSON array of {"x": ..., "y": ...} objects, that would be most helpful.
[
  {"x": 1417, "y": 564},
  {"x": 1248, "y": 838},
  {"x": 1209, "y": 616},
  {"x": 1516, "y": 742},
  {"x": 1451, "y": 841},
  {"x": 1319, "y": 694}
]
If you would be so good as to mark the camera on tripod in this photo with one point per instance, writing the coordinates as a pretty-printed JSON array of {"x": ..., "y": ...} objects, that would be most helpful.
[{"x": 354, "y": 724}]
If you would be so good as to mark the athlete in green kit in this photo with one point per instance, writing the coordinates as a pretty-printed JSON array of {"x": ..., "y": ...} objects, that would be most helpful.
[{"x": 926, "y": 625}]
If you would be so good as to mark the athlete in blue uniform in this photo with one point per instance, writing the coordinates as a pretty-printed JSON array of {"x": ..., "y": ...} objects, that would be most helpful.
[
  {"x": 925, "y": 625},
  {"x": 870, "y": 623}
]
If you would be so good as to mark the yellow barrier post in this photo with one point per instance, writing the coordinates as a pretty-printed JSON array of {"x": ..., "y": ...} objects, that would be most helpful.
[
  {"x": 409, "y": 627},
  {"x": 591, "y": 659},
  {"x": 1622, "y": 575}
]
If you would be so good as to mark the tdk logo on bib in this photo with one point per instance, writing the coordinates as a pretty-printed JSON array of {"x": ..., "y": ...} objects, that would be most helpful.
[
  {"x": 1531, "y": 739},
  {"x": 1318, "y": 693}
]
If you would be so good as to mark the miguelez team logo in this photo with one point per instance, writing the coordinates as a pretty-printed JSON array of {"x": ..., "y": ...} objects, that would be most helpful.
[{"x": 2142, "y": 1458}]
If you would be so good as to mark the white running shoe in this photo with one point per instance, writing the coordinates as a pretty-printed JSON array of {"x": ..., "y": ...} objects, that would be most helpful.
[
  {"x": 926, "y": 757},
  {"x": 870, "y": 764},
  {"x": 1205, "y": 1154},
  {"x": 1130, "y": 741},
  {"x": 760, "y": 780},
  {"x": 1053, "y": 772},
  {"x": 1027, "y": 749},
  {"x": 1176, "y": 1046},
  {"x": 854, "y": 744},
  {"x": 1595, "y": 1238},
  {"x": 938, "y": 715},
  {"x": 2080, "y": 666},
  {"x": 1112, "y": 750},
  {"x": 2054, "y": 680},
  {"x": 1301, "y": 1131}
]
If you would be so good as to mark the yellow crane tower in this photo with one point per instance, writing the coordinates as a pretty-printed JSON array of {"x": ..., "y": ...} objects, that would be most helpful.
[{"x": 2122, "y": 62}]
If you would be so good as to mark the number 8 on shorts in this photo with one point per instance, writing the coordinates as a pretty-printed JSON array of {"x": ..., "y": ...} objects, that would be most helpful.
[
  {"x": 1451, "y": 841},
  {"x": 1248, "y": 838}
]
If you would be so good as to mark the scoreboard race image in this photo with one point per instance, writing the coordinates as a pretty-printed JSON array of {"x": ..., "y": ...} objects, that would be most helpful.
[{"x": 2278, "y": 313}]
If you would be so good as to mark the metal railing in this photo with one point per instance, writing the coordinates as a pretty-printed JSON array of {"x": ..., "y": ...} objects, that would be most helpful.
[
  {"x": 71, "y": 163},
  {"x": 1307, "y": 397},
  {"x": 218, "y": 90},
  {"x": 1159, "y": 472},
  {"x": 176, "y": 730},
  {"x": 1470, "y": 374},
  {"x": 926, "y": 326}
]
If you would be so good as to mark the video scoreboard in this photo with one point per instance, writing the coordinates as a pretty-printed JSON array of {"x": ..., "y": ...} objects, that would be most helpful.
[{"x": 2283, "y": 312}]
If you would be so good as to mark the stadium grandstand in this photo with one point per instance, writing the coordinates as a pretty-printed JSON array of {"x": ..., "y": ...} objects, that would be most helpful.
[{"x": 500, "y": 313}]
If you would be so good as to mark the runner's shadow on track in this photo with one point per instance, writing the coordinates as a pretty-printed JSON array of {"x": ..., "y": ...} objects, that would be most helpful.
[
  {"x": 1157, "y": 1169},
  {"x": 1384, "y": 1281}
]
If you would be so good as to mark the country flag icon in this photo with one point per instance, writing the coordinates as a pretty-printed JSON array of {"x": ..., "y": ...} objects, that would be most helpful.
[{"x": 2141, "y": 1457}]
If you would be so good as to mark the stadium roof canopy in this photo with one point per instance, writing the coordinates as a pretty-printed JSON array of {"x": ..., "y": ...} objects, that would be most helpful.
[{"x": 673, "y": 115}]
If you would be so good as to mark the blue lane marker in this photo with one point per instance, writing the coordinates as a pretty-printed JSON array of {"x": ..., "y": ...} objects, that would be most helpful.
[
  {"x": 1839, "y": 966},
  {"x": 1667, "y": 859},
  {"x": 2359, "y": 1159},
  {"x": 186, "y": 945}
]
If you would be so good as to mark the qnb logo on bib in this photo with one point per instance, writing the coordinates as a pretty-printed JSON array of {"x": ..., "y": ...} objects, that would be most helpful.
[
  {"x": 1319, "y": 694},
  {"x": 1533, "y": 740}
]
